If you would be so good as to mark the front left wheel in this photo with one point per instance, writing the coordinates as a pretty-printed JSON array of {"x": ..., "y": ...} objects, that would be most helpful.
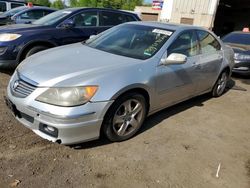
[{"x": 125, "y": 117}]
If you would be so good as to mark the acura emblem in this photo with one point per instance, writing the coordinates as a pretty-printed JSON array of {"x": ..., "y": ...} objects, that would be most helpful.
[{"x": 16, "y": 84}]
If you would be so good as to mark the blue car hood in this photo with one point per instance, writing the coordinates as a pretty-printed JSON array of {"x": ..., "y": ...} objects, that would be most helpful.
[{"x": 17, "y": 28}]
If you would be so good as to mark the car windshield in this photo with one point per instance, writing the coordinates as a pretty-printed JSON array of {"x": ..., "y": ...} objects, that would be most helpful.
[
  {"x": 13, "y": 11},
  {"x": 237, "y": 38},
  {"x": 135, "y": 41},
  {"x": 52, "y": 18}
]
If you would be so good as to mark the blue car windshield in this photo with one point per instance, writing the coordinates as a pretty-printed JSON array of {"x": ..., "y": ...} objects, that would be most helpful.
[
  {"x": 52, "y": 18},
  {"x": 13, "y": 11},
  {"x": 135, "y": 41}
]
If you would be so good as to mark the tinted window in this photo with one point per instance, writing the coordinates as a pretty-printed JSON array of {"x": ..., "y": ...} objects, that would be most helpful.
[
  {"x": 129, "y": 18},
  {"x": 140, "y": 42},
  {"x": 14, "y": 5},
  {"x": 2, "y": 6},
  {"x": 46, "y": 12},
  {"x": 186, "y": 44},
  {"x": 111, "y": 18},
  {"x": 85, "y": 19},
  {"x": 237, "y": 38},
  {"x": 32, "y": 14},
  {"x": 208, "y": 43}
]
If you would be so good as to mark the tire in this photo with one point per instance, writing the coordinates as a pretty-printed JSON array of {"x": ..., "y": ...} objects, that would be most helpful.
[
  {"x": 35, "y": 49},
  {"x": 125, "y": 117},
  {"x": 220, "y": 85}
]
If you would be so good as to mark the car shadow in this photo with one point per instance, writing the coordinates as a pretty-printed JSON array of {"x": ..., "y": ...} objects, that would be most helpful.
[
  {"x": 7, "y": 71},
  {"x": 158, "y": 117},
  {"x": 242, "y": 78}
]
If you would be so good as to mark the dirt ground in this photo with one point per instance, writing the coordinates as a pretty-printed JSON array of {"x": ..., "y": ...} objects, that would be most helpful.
[{"x": 180, "y": 147}]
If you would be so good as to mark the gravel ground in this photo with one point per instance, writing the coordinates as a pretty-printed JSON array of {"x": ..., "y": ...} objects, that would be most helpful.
[{"x": 179, "y": 147}]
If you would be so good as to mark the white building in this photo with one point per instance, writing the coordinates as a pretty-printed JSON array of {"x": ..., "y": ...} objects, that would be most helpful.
[{"x": 222, "y": 16}]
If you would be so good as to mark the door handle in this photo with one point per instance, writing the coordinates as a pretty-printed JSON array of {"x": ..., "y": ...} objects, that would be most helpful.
[
  {"x": 197, "y": 65},
  {"x": 220, "y": 57}
]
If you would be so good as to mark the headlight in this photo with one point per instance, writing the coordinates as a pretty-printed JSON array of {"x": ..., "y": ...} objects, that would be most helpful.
[
  {"x": 5, "y": 37},
  {"x": 68, "y": 96},
  {"x": 241, "y": 56}
]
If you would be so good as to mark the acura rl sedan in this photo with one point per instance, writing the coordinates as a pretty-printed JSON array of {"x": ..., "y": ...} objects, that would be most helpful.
[{"x": 112, "y": 82}]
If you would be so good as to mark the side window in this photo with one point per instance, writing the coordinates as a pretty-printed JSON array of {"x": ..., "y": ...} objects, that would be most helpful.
[
  {"x": 186, "y": 44},
  {"x": 85, "y": 19},
  {"x": 111, "y": 18},
  {"x": 32, "y": 14},
  {"x": 208, "y": 43},
  {"x": 2, "y": 6},
  {"x": 14, "y": 5},
  {"x": 46, "y": 12},
  {"x": 129, "y": 18}
]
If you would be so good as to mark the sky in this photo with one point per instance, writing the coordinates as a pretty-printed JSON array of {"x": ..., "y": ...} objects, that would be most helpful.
[{"x": 148, "y": 1}]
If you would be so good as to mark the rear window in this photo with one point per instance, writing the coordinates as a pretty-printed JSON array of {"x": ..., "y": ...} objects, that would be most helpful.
[
  {"x": 237, "y": 38},
  {"x": 113, "y": 18}
]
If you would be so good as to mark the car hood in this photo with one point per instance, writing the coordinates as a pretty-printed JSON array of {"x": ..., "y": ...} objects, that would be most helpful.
[
  {"x": 17, "y": 28},
  {"x": 240, "y": 48},
  {"x": 55, "y": 67}
]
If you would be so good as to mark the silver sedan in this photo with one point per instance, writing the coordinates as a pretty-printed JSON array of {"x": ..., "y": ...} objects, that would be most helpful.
[{"x": 109, "y": 84}]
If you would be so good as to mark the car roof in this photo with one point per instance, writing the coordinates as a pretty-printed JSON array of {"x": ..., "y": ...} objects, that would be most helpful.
[
  {"x": 40, "y": 7},
  {"x": 239, "y": 32},
  {"x": 168, "y": 26},
  {"x": 89, "y": 8}
]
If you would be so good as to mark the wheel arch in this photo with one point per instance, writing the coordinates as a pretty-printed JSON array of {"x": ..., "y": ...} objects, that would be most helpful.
[
  {"x": 32, "y": 44},
  {"x": 135, "y": 88},
  {"x": 138, "y": 89}
]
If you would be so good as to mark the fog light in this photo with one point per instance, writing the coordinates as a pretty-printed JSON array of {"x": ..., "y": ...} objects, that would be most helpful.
[{"x": 49, "y": 130}]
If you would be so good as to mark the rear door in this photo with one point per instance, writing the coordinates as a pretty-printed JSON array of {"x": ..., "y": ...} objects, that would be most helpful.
[
  {"x": 109, "y": 19},
  {"x": 210, "y": 60},
  {"x": 178, "y": 82}
]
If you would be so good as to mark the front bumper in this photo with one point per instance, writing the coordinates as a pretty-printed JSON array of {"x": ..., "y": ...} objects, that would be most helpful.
[
  {"x": 241, "y": 67},
  {"x": 71, "y": 124}
]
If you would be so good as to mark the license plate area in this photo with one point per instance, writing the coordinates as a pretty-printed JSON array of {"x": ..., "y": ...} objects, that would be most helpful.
[{"x": 12, "y": 107}]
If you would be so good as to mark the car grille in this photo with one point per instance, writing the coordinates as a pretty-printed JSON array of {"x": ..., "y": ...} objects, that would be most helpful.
[{"x": 21, "y": 88}]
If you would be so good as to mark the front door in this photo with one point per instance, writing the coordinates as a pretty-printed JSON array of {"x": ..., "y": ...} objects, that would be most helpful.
[
  {"x": 178, "y": 82},
  {"x": 86, "y": 23}
]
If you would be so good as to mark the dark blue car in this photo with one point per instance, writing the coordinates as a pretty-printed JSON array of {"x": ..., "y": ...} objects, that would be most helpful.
[{"x": 58, "y": 28}]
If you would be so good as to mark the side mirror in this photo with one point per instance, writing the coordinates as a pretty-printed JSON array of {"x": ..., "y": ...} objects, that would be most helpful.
[
  {"x": 92, "y": 36},
  {"x": 14, "y": 17},
  {"x": 174, "y": 59},
  {"x": 67, "y": 24}
]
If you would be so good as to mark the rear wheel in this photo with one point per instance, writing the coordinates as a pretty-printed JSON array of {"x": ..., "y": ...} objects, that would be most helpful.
[
  {"x": 35, "y": 49},
  {"x": 125, "y": 117},
  {"x": 220, "y": 85}
]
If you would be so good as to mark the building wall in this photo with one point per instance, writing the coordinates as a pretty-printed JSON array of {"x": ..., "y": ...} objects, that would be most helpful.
[
  {"x": 195, "y": 12},
  {"x": 147, "y": 13}
]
